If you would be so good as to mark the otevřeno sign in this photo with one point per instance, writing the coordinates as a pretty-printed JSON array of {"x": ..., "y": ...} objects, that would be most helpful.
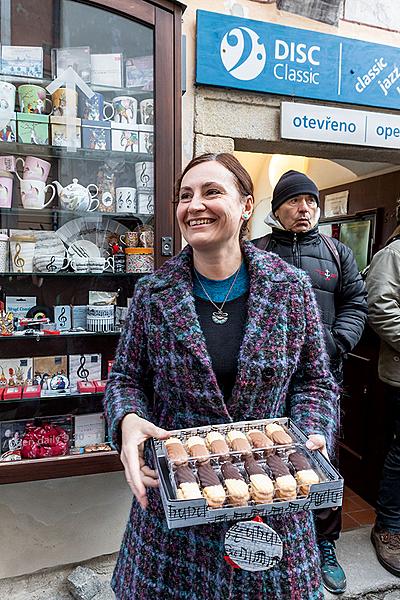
[
  {"x": 253, "y": 55},
  {"x": 339, "y": 126}
]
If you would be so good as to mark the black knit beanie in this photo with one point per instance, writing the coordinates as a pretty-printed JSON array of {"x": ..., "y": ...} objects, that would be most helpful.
[{"x": 291, "y": 184}]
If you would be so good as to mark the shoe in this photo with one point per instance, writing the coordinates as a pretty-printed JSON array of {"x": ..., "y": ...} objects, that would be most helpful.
[
  {"x": 333, "y": 576},
  {"x": 387, "y": 548}
]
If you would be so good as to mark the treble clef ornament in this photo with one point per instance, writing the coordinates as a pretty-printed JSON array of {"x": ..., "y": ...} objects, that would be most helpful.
[
  {"x": 128, "y": 200},
  {"x": 62, "y": 319},
  {"x": 144, "y": 177},
  {"x": 81, "y": 371},
  {"x": 51, "y": 267},
  {"x": 19, "y": 262}
]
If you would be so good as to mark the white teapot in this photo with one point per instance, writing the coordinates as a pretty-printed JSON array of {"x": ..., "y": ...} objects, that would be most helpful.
[{"x": 77, "y": 197}]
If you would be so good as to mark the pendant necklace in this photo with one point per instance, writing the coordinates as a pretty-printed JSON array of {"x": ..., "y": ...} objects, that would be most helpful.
[{"x": 219, "y": 316}]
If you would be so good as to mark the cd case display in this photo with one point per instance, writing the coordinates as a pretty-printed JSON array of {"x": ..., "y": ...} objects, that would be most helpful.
[
  {"x": 24, "y": 61},
  {"x": 77, "y": 58}
]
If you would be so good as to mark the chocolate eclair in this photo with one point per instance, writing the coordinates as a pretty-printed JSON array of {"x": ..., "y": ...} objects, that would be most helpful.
[
  {"x": 213, "y": 491},
  {"x": 188, "y": 488},
  {"x": 238, "y": 491},
  {"x": 285, "y": 483},
  {"x": 261, "y": 486},
  {"x": 277, "y": 434},
  {"x": 305, "y": 475},
  {"x": 258, "y": 440}
]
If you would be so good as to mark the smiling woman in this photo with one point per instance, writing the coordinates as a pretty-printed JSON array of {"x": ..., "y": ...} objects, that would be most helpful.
[{"x": 221, "y": 333}]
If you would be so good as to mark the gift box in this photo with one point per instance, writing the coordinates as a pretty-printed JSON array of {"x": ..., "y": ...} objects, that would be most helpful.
[
  {"x": 12, "y": 393},
  {"x": 1, "y": 393},
  {"x": 32, "y": 128},
  {"x": 58, "y": 128},
  {"x": 31, "y": 391},
  {"x": 146, "y": 139},
  {"x": 100, "y": 386},
  {"x": 86, "y": 387},
  {"x": 124, "y": 137},
  {"x": 9, "y": 132},
  {"x": 96, "y": 135}
]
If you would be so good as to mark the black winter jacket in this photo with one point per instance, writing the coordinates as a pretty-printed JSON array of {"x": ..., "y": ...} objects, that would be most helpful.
[{"x": 341, "y": 298}]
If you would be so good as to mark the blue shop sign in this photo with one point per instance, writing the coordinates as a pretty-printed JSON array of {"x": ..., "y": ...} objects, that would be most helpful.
[{"x": 252, "y": 55}]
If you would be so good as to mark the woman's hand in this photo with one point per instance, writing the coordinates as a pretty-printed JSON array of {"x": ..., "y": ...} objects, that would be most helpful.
[
  {"x": 135, "y": 431},
  {"x": 317, "y": 442}
]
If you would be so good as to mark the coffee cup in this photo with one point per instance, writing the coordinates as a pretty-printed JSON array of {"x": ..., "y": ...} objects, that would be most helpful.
[
  {"x": 32, "y": 99},
  {"x": 94, "y": 108},
  {"x": 125, "y": 199},
  {"x": 50, "y": 263},
  {"x": 147, "y": 238},
  {"x": 22, "y": 248},
  {"x": 144, "y": 172},
  {"x": 98, "y": 264},
  {"x": 65, "y": 102},
  {"x": 125, "y": 109},
  {"x": 33, "y": 194},
  {"x": 130, "y": 239},
  {"x": 6, "y": 188},
  {"x": 80, "y": 264},
  {"x": 147, "y": 111},
  {"x": 34, "y": 168},
  {"x": 7, "y": 102}
]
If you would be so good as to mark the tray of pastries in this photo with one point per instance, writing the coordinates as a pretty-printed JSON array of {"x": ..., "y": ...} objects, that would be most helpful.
[{"x": 240, "y": 470}]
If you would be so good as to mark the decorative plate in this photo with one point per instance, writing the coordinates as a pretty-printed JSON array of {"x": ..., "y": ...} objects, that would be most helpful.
[
  {"x": 95, "y": 229},
  {"x": 84, "y": 249}
]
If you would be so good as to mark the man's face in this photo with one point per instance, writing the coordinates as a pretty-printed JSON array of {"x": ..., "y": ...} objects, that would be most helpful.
[{"x": 299, "y": 214}]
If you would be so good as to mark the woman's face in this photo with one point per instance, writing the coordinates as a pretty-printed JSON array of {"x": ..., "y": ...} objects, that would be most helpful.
[{"x": 210, "y": 207}]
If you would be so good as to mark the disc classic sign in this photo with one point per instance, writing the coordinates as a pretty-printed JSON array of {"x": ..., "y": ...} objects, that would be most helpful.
[{"x": 253, "y": 55}]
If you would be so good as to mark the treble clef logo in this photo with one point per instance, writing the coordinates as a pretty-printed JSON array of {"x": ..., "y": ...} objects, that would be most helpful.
[
  {"x": 144, "y": 178},
  {"x": 82, "y": 372},
  {"x": 62, "y": 319},
  {"x": 18, "y": 260},
  {"x": 150, "y": 204},
  {"x": 128, "y": 200},
  {"x": 51, "y": 266}
]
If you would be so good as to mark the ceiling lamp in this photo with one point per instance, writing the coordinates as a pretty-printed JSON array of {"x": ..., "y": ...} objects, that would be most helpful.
[{"x": 280, "y": 163}]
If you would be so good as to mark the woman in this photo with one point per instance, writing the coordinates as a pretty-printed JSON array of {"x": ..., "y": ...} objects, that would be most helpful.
[{"x": 221, "y": 333}]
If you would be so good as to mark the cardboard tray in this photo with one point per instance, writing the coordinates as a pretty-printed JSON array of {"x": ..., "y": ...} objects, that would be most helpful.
[{"x": 185, "y": 513}]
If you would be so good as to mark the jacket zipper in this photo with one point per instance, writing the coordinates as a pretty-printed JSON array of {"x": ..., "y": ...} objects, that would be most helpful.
[{"x": 295, "y": 251}]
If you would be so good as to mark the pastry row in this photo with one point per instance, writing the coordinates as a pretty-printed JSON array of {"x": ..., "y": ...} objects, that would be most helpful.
[
  {"x": 235, "y": 440},
  {"x": 236, "y": 489}
]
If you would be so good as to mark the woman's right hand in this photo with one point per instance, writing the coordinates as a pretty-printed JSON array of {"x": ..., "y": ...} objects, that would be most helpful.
[{"x": 135, "y": 431}]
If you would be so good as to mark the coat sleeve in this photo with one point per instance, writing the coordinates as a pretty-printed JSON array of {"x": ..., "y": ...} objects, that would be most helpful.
[
  {"x": 351, "y": 303},
  {"x": 383, "y": 284},
  {"x": 313, "y": 393},
  {"x": 131, "y": 374}
]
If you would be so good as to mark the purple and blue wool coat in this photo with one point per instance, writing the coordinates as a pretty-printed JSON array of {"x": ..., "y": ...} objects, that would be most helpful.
[{"x": 163, "y": 373}]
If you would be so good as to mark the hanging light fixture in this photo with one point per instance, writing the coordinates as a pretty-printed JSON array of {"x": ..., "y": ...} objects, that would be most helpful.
[{"x": 280, "y": 163}]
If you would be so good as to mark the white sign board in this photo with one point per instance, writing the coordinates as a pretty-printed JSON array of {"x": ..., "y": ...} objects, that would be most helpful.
[{"x": 318, "y": 123}]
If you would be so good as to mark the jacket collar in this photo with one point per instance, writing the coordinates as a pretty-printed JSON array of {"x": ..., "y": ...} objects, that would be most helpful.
[{"x": 287, "y": 237}]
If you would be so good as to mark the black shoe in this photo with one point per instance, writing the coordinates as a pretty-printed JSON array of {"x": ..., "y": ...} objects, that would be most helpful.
[
  {"x": 387, "y": 548},
  {"x": 333, "y": 576}
]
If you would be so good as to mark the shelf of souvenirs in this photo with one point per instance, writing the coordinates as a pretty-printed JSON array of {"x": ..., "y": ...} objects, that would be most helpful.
[
  {"x": 46, "y": 335},
  {"x": 54, "y": 396},
  {"x": 48, "y": 151},
  {"x": 40, "y": 274},
  {"x": 45, "y": 81},
  {"x": 88, "y": 463},
  {"x": 73, "y": 214}
]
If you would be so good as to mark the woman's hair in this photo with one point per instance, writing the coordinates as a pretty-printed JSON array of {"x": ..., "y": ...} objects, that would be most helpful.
[{"x": 241, "y": 177}]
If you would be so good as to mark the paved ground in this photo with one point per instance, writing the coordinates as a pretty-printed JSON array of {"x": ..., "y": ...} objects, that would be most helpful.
[{"x": 366, "y": 579}]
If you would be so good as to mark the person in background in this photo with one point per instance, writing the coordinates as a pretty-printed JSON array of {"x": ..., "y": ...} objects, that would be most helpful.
[
  {"x": 383, "y": 285},
  {"x": 220, "y": 333},
  {"x": 341, "y": 297}
]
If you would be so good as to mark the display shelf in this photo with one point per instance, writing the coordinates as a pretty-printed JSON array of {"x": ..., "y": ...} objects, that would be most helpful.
[
  {"x": 64, "y": 334},
  {"x": 19, "y": 211},
  {"x": 92, "y": 395},
  {"x": 10, "y": 274},
  {"x": 78, "y": 154},
  {"x": 61, "y": 466}
]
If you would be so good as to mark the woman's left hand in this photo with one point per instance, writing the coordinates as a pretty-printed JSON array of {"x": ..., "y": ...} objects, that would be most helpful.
[{"x": 317, "y": 441}]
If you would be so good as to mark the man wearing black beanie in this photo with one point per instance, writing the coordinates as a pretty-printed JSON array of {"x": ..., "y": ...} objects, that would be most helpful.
[{"x": 341, "y": 297}]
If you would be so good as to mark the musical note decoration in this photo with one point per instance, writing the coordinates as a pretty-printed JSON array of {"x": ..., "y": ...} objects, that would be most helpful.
[
  {"x": 253, "y": 546},
  {"x": 51, "y": 267},
  {"x": 19, "y": 262},
  {"x": 82, "y": 372}
]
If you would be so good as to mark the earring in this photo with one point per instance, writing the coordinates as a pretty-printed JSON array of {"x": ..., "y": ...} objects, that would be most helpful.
[{"x": 246, "y": 216}]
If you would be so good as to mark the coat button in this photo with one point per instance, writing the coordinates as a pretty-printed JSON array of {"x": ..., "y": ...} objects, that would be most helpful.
[
  {"x": 396, "y": 358},
  {"x": 268, "y": 373}
]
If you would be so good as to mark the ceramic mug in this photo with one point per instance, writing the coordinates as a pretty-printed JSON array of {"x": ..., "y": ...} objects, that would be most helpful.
[
  {"x": 125, "y": 199},
  {"x": 8, "y": 163},
  {"x": 65, "y": 101},
  {"x": 130, "y": 239},
  {"x": 6, "y": 188},
  {"x": 33, "y": 193},
  {"x": 144, "y": 172},
  {"x": 4, "y": 248},
  {"x": 80, "y": 264},
  {"x": 94, "y": 108},
  {"x": 32, "y": 99},
  {"x": 7, "y": 100},
  {"x": 147, "y": 111},
  {"x": 34, "y": 168},
  {"x": 125, "y": 109},
  {"x": 22, "y": 248},
  {"x": 50, "y": 263},
  {"x": 98, "y": 264},
  {"x": 147, "y": 238}
]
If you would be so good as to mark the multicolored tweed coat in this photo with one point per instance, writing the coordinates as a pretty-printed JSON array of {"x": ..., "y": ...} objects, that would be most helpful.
[{"x": 163, "y": 373}]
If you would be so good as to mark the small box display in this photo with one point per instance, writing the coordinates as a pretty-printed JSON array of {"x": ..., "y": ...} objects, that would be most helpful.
[
  {"x": 32, "y": 128},
  {"x": 84, "y": 367},
  {"x": 16, "y": 371},
  {"x": 146, "y": 139},
  {"x": 9, "y": 132},
  {"x": 50, "y": 372},
  {"x": 86, "y": 387},
  {"x": 12, "y": 393},
  {"x": 31, "y": 391},
  {"x": 59, "y": 132},
  {"x": 272, "y": 470},
  {"x": 23, "y": 61},
  {"x": 124, "y": 137},
  {"x": 96, "y": 135}
]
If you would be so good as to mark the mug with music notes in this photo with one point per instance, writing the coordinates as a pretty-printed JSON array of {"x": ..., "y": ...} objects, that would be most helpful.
[
  {"x": 144, "y": 172},
  {"x": 22, "y": 248},
  {"x": 50, "y": 263},
  {"x": 125, "y": 200}
]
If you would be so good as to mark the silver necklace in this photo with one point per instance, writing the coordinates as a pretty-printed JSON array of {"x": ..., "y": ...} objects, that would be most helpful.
[{"x": 219, "y": 316}]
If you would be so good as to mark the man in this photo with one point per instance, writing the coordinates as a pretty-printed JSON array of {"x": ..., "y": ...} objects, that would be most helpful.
[
  {"x": 383, "y": 285},
  {"x": 341, "y": 297}
]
